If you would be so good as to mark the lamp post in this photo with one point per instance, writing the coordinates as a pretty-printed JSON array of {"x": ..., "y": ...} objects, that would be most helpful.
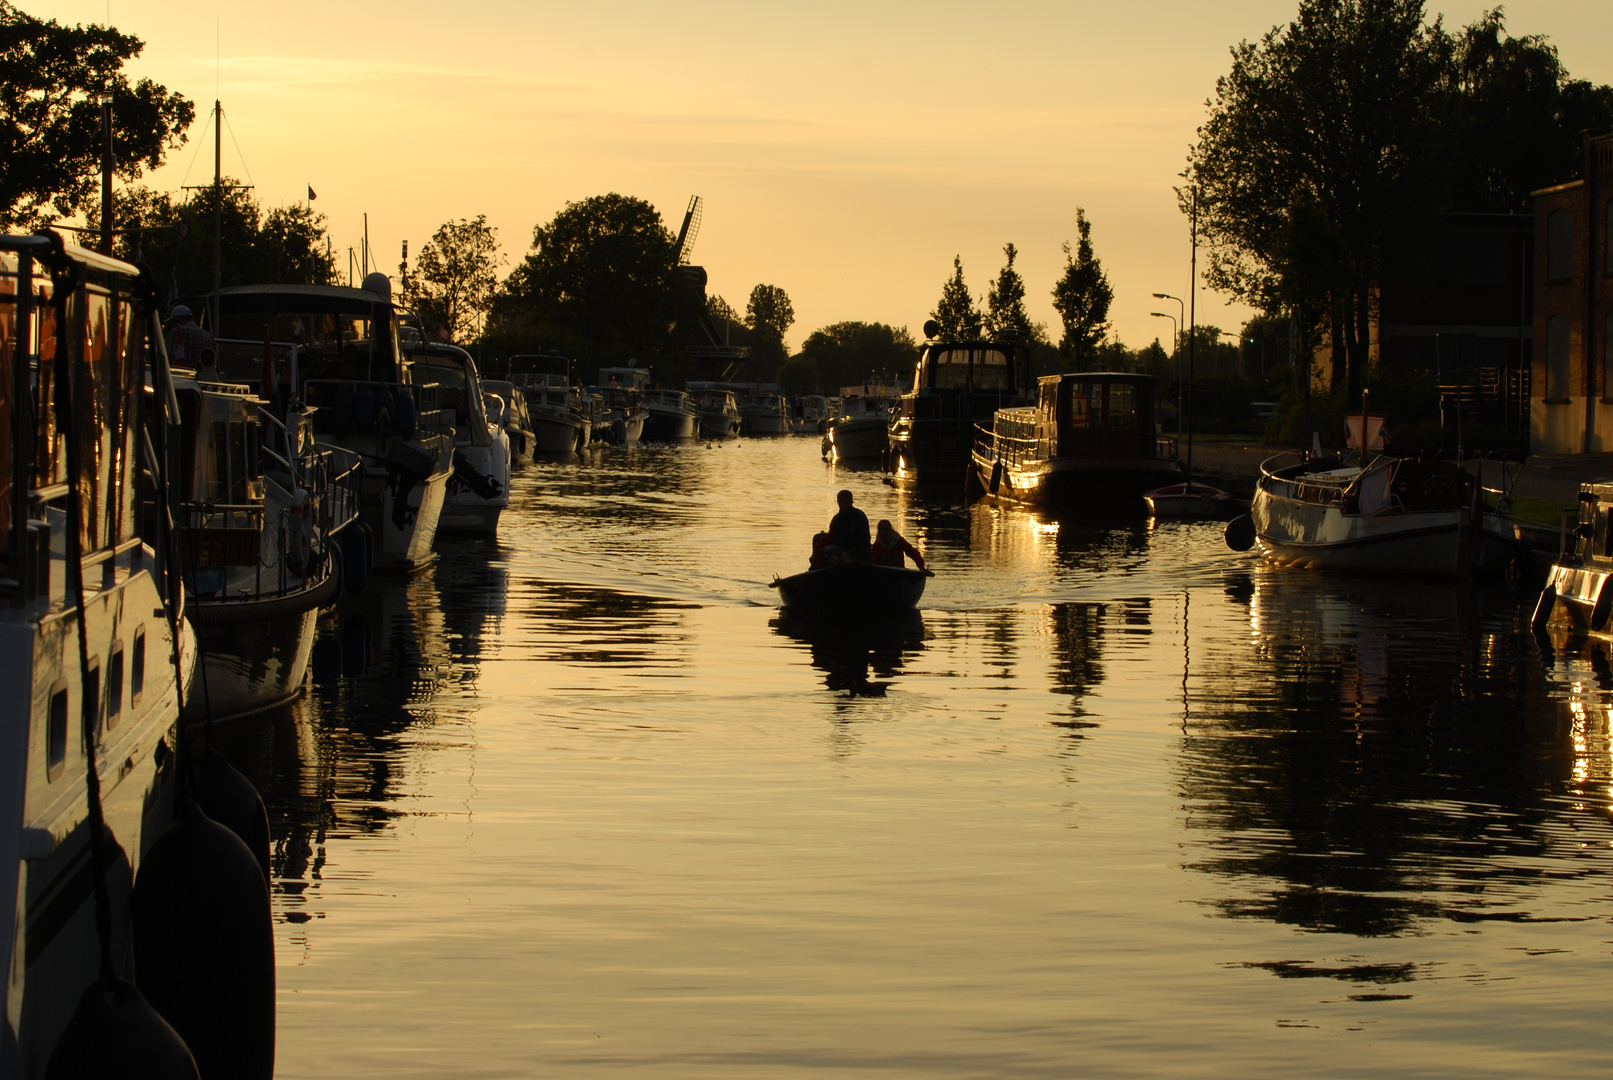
[
  {"x": 106, "y": 171},
  {"x": 1176, "y": 340},
  {"x": 1174, "y": 334},
  {"x": 1262, "y": 344}
]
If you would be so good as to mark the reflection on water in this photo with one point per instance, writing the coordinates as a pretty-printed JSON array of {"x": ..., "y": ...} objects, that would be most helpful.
[{"x": 583, "y": 801}]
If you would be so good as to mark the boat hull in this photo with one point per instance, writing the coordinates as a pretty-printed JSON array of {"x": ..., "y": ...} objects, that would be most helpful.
[
  {"x": 765, "y": 423},
  {"x": 558, "y": 434},
  {"x": 718, "y": 425},
  {"x": 1322, "y": 537},
  {"x": 669, "y": 425},
  {"x": 853, "y": 590},
  {"x": 859, "y": 439},
  {"x": 1183, "y": 502},
  {"x": 1092, "y": 486}
]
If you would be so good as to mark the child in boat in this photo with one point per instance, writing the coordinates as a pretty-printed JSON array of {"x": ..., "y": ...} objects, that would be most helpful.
[
  {"x": 889, "y": 548},
  {"x": 824, "y": 551}
]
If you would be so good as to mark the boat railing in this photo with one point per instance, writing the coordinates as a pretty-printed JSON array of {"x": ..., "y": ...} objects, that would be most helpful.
[{"x": 337, "y": 397}]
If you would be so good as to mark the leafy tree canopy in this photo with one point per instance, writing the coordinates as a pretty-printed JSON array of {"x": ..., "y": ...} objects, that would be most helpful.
[
  {"x": 846, "y": 353},
  {"x": 51, "y": 139},
  {"x": 286, "y": 244},
  {"x": 956, "y": 312},
  {"x": 601, "y": 282},
  {"x": 1082, "y": 296},
  {"x": 768, "y": 316},
  {"x": 455, "y": 278},
  {"x": 1006, "y": 318}
]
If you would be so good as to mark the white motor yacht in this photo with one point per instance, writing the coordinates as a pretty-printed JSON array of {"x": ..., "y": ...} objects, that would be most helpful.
[
  {"x": 90, "y": 671},
  {"x": 479, "y": 490}
]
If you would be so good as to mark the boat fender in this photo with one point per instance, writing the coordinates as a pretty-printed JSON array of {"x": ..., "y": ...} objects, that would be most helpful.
[
  {"x": 1240, "y": 533},
  {"x": 405, "y": 416},
  {"x": 1603, "y": 608},
  {"x": 996, "y": 476},
  {"x": 115, "y": 1032},
  {"x": 1543, "y": 606},
  {"x": 228, "y": 797},
  {"x": 204, "y": 945}
]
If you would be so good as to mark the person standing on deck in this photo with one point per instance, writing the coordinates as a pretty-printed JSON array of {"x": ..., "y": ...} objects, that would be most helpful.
[
  {"x": 849, "y": 528},
  {"x": 889, "y": 548},
  {"x": 187, "y": 341}
]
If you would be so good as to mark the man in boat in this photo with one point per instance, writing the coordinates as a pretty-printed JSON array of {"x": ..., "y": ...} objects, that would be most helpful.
[
  {"x": 849, "y": 529},
  {"x": 187, "y": 341},
  {"x": 889, "y": 548}
]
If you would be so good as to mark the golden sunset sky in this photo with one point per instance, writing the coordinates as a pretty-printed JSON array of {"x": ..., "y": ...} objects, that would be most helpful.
[{"x": 846, "y": 151}]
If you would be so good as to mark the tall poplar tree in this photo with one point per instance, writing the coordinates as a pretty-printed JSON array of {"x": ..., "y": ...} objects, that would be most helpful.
[
  {"x": 1082, "y": 296},
  {"x": 956, "y": 311},
  {"x": 1006, "y": 318}
]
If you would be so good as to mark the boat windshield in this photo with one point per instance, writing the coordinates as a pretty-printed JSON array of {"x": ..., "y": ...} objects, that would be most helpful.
[
  {"x": 960, "y": 369},
  {"x": 338, "y": 345},
  {"x": 1089, "y": 409}
]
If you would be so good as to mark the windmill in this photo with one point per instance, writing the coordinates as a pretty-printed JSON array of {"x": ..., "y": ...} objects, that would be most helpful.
[{"x": 690, "y": 230}]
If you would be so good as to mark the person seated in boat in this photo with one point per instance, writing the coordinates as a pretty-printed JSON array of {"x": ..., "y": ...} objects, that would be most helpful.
[
  {"x": 824, "y": 551},
  {"x": 849, "y": 529},
  {"x": 889, "y": 548}
]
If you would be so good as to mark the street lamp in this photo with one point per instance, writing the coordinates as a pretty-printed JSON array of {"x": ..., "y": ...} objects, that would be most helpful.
[
  {"x": 1177, "y": 341},
  {"x": 1175, "y": 335},
  {"x": 1262, "y": 344}
]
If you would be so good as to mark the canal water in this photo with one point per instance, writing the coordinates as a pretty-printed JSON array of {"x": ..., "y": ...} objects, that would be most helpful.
[{"x": 1119, "y": 802}]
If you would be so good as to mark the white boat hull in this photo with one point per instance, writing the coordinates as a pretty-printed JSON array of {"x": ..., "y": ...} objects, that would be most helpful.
[
  {"x": 670, "y": 425},
  {"x": 558, "y": 434},
  {"x": 463, "y": 510},
  {"x": 1314, "y": 536},
  {"x": 860, "y": 439}
]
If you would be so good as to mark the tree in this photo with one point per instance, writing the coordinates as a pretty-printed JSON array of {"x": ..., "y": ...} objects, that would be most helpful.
[
  {"x": 955, "y": 311},
  {"x": 51, "y": 137},
  {"x": 455, "y": 278},
  {"x": 1082, "y": 296},
  {"x": 1006, "y": 318},
  {"x": 845, "y": 353},
  {"x": 768, "y": 316},
  {"x": 1336, "y": 108},
  {"x": 601, "y": 282},
  {"x": 286, "y": 244}
]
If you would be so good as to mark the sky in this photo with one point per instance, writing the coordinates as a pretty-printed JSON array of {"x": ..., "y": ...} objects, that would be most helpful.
[{"x": 845, "y": 151}]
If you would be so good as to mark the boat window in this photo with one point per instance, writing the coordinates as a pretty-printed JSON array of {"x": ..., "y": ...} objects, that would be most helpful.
[
  {"x": 56, "y": 731},
  {"x": 1048, "y": 409},
  {"x": 137, "y": 666},
  {"x": 1081, "y": 404},
  {"x": 114, "y": 688},
  {"x": 959, "y": 369},
  {"x": 218, "y": 466},
  {"x": 1122, "y": 411}
]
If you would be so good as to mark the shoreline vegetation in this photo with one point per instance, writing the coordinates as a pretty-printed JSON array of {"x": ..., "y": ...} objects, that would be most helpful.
[{"x": 1329, "y": 155}]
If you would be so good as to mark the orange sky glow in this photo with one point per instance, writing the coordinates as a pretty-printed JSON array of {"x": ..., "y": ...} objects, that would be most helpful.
[{"x": 845, "y": 151}]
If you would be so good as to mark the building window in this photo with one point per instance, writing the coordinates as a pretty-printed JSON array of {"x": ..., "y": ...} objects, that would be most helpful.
[
  {"x": 1559, "y": 246},
  {"x": 1557, "y": 357}
]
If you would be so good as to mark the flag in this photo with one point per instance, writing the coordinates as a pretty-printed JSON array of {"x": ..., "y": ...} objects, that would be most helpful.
[
  {"x": 311, "y": 195},
  {"x": 184, "y": 229},
  {"x": 442, "y": 332}
]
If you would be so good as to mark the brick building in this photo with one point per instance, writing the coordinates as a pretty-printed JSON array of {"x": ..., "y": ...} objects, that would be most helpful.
[{"x": 1571, "y": 407}]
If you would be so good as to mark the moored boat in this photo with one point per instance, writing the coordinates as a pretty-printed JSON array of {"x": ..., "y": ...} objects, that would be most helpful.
[
  {"x": 764, "y": 411},
  {"x": 956, "y": 386},
  {"x": 339, "y": 349},
  {"x": 1192, "y": 501},
  {"x": 562, "y": 420},
  {"x": 853, "y": 590},
  {"x": 719, "y": 411},
  {"x": 261, "y": 507},
  {"x": 1086, "y": 447},
  {"x": 91, "y": 674},
  {"x": 810, "y": 414},
  {"x": 506, "y": 407},
  {"x": 669, "y": 416},
  {"x": 1388, "y": 514},
  {"x": 1577, "y": 598},
  {"x": 479, "y": 489},
  {"x": 860, "y": 432}
]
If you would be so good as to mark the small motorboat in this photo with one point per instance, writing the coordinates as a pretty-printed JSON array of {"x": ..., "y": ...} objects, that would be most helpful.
[
  {"x": 1190, "y": 501},
  {"x": 858, "y": 589}
]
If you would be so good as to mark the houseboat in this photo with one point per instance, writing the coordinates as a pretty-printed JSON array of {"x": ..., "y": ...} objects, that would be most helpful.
[
  {"x": 957, "y": 385},
  {"x": 90, "y": 675},
  {"x": 339, "y": 349},
  {"x": 1086, "y": 446}
]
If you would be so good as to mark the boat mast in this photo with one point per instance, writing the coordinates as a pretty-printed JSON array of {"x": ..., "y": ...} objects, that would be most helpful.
[
  {"x": 218, "y": 208},
  {"x": 1192, "y": 299}
]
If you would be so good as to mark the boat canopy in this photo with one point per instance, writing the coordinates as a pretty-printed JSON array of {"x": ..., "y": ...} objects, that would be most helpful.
[{"x": 977, "y": 366}]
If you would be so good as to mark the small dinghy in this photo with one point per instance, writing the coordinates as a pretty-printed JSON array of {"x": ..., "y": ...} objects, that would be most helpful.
[
  {"x": 857, "y": 589},
  {"x": 1193, "y": 501}
]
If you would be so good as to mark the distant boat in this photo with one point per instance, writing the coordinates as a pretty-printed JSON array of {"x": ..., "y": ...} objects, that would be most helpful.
[
  {"x": 562, "y": 418},
  {"x": 719, "y": 410},
  {"x": 853, "y": 590},
  {"x": 1195, "y": 501},
  {"x": 669, "y": 416},
  {"x": 860, "y": 432},
  {"x": 479, "y": 490},
  {"x": 764, "y": 411},
  {"x": 1086, "y": 447},
  {"x": 810, "y": 414},
  {"x": 506, "y": 406}
]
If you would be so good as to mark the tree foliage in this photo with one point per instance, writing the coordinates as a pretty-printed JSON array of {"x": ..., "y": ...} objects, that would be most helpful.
[
  {"x": 1006, "y": 318},
  {"x": 846, "y": 353},
  {"x": 286, "y": 244},
  {"x": 51, "y": 136},
  {"x": 601, "y": 282},
  {"x": 1333, "y": 141},
  {"x": 956, "y": 312},
  {"x": 455, "y": 278},
  {"x": 1082, "y": 296},
  {"x": 768, "y": 316}
]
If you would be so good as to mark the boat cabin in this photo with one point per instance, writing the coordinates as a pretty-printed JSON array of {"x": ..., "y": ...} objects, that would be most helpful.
[{"x": 1091, "y": 414}]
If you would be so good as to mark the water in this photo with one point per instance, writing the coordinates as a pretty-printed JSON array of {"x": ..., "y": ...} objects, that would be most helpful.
[{"x": 579, "y": 803}]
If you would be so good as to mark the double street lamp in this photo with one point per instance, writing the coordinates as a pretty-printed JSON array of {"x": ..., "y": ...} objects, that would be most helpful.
[{"x": 1176, "y": 347}]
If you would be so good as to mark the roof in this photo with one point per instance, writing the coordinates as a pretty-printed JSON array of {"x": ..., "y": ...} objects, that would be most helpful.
[{"x": 323, "y": 298}]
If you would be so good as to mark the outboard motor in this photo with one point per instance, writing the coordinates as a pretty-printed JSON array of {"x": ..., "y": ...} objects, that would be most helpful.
[
  {"x": 407, "y": 466},
  {"x": 466, "y": 475}
]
